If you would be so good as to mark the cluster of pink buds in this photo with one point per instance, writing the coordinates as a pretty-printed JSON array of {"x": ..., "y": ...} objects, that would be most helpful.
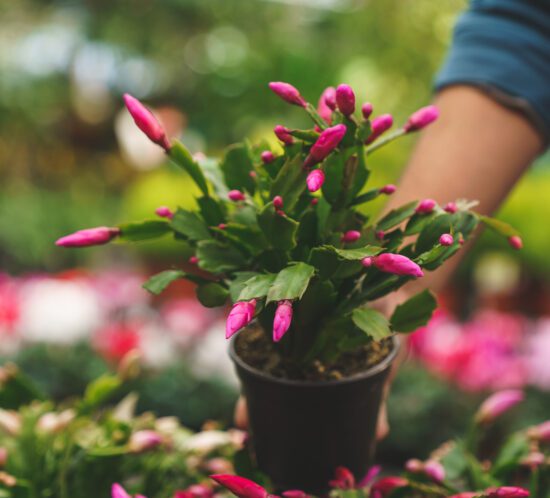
[
  {"x": 379, "y": 125},
  {"x": 164, "y": 212},
  {"x": 431, "y": 469},
  {"x": 288, "y": 93},
  {"x": 146, "y": 122},
  {"x": 89, "y": 237},
  {"x": 345, "y": 100},
  {"x": 393, "y": 263},
  {"x": 241, "y": 314},
  {"x": 421, "y": 118},
  {"x": 497, "y": 404},
  {"x": 282, "y": 320},
  {"x": 328, "y": 140}
]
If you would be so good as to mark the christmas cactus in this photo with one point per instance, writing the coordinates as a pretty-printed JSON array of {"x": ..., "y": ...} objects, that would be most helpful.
[{"x": 282, "y": 234}]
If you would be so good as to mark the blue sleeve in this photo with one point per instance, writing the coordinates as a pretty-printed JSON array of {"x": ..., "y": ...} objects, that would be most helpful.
[{"x": 503, "y": 46}]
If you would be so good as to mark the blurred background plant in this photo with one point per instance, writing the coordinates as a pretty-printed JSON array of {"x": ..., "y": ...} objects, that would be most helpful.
[{"x": 71, "y": 157}]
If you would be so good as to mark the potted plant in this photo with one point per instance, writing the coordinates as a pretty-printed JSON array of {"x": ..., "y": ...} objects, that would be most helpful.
[{"x": 282, "y": 235}]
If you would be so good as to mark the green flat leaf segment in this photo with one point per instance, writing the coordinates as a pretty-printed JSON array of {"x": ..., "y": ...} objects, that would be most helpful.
[
  {"x": 291, "y": 283},
  {"x": 183, "y": 158},
  {"x": 257, "y": 287},
  {"x": 371, "y": 322},
  {"x": 414, "y": 313},
  {"x": 144, "y": 230}
]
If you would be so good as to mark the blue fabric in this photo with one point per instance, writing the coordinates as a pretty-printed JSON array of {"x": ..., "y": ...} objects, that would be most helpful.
[{"x": 504, "y": 44}]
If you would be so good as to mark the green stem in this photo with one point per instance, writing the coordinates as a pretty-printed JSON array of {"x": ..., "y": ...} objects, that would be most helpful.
[
  {"x": 534, "y": 484},
  {"x": 314, "y": 115},
  {"x": 390, "y": 137},
  {"x": 429, "y": 490}
]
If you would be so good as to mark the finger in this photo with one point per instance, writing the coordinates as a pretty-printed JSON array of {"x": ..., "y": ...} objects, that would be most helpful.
[{"x": 241, "y": 413}]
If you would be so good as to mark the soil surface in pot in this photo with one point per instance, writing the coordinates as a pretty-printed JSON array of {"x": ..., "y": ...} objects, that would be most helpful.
[{"x": 257, "y": 350}]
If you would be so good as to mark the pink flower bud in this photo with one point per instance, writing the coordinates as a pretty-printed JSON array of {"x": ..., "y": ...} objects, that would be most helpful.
[
  {"x": 451, "y": 208},
  {"x": 323, "y": 108},
  {"x": 426, "y": 206},
  {"x": 164, "y": 212},
  {"x": 497, "y": 404},
  {"x": 434, "y": 470},
  {"x": 397, "y": 264},
  {"x": 314, "y": 201},
  {"x": 515, "y": 242},
  {"x": 343, "y": 479},
  {"x": 146, "y": 122},
  {"x": 282, "y": 320},
  {"x": 541, "y": 432},
  {"x": 388, "y": 189},
  {"x": 351, "y": 236},
  {"x": 252, "y": 174},
  {"x": 117, "y": 491},
  {"x": 345, "y": 100},
  {"x": 379, "y": 125},
  {"x": 446, "y": 239},
  {"x": 88, "y": 237},
  {"x": 241, "y": 314},
  {"x": 278, "y": 202},
  {"x": 414, "y": 466},
  {"x": 294, "y": 493},
  {"x": 240, "y": 486},
  {"x": 380, "y": 234},
  {"x": 267, "y": 157},
  {"x": 200, "y": 491},
  {"x": 366, "y": 110},
  {"x": 534, "y": 459},
  {"x": 315, "y": 180},
  {"x": 193, "y": 260},
  {"x": 236, "y": 195},
  {"x": 421, "y": 118},
  {"x": 222, "y": 226},
  {"x": 288, "y": 93},
  {"x": 385, "y": 486},
  {"x": 506, "y": 492},
  {"x": 283, "y": 134},
  {"x": 367, "y": 262},
  {"x": 328, "y": 140},
  {"x": 141, "y": 441}
]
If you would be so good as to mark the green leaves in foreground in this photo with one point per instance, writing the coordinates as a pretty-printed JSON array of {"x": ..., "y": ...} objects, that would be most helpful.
[
  {"x": 373, "y": 323},
  {"x": 414, "y": 312},
  {"x": 291, "y": 283},
  {"x": 144, "y": 230}
]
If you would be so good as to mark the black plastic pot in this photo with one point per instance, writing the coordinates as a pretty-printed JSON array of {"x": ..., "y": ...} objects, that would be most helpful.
[{"x": 302, "y": 430}]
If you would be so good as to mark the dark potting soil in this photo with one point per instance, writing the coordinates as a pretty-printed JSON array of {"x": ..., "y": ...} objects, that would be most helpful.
[{"x": 257, "y": 350}]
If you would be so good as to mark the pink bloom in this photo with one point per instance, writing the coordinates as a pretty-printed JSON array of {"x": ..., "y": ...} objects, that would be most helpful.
[
  {"x": 384, "y": 487},
  {"x": 446, "y": 239},
  {"x": 144, "y": 440},
  {"x": 351, "y": 236},
  {"x": 397, "y": 264},
  {"x": 241, "y": 314},
  {"x": 146, "y": 122},
  {"x": 199, "y": 491},
  {"x": 343, "y": 479},
  {"x": 117, "y": 491},
  {"x": 283, "y": 134},
  {"x": 421, "y": 118},
  {"x": 541, "y": 432},
  {"x": 366, "y": 110},
  {"x": 379, "y": 125},
  {"x": 294, "y": 493},
  {"x": 315, "y": 180},
  {"x": 534, "y": 459},
  {"x": 328, "y": 140},
  {"x": 164, "y": 212},
  {"x": 236, "y": 195},
  {"x": 288, "y": 93},
  {"x": 282, "y": 320},
  {"x": 240, "y": 486},
  {"x": 451, "y": 207},
  {"x": 345, "y": 100},
  {"x": 323, "y": 108},
  {"x": 426, "y": 206},
  {"x": 434, "y": 470},
  {"x": 515, "y": 242},
  {"x": 88, "y": 237},
  {"x": 369, "y": 476},
  {"x": 267, "y": 156},
  {"x": 367, "y": 262},
  {"x": 193, "y": 260},
  {"x": 497, "y": 404},
  {"x": 388, "y": 189},
  {"x": 278, "y": 202},
  {"x": 506, "y": 492}
]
